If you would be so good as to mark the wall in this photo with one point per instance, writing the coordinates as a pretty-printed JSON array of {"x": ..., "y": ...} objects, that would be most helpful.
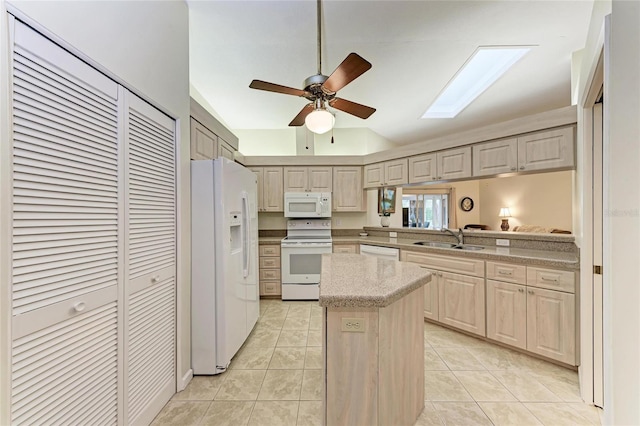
[
  {"x": 276, "y": 221},
  {"x": 266, "y": 141},
  {"x": 543, "y": 199},
  {"x": 143, "y": 45}
]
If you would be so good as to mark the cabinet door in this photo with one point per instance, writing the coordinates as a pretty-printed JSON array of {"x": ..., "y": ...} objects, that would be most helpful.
[
  {"x": 551, "y": 329},
  {"x": 320, "y": 179},
  {"x": 546, "y": 150},
  {"x": 272, "y": 190},
  {"x": 422, "y": 168},
  {"x": 374, "y": 175},
  {"x": 461, "y": 302},
  {"x": 259, "y": 172},
  {"x": 507, "y": 313},
  {"x": 396, "y": 172},
  {"x": 454, "y": 163},
  {"x": 347, "y": 193},
  {"x": 431, "y": 297},
  {"x": 296, "y": 179},
  {"x": 204, "y": 144},
  {"x": 345, "y": 248},
  {"x": 225, "y": 150},
  {"x": 497, "y": 157}
]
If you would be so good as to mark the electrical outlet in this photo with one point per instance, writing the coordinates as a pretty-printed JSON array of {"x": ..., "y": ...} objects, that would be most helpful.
[
  {"x": 502, "y": 242},
  {"x": 393, "y": 234},
  {"x": 354, "y": 324},
  {"x": 338, "y": 222}
]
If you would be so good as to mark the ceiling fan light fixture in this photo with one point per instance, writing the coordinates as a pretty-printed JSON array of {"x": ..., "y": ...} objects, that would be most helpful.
[{"x": 319, "y": 121}]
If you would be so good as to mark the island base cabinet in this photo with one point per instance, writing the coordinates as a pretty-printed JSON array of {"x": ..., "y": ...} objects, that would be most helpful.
[
  {"x": 431, "y": 298},
  {"x": 461, "y": 302},
  {"x": 507, "y": 313},
  {"x": 551, "y": 326},
  {"x": 375, "y": 377}
]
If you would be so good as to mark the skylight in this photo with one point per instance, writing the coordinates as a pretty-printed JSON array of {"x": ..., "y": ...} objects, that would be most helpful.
[{"x": 486, "y": 65}]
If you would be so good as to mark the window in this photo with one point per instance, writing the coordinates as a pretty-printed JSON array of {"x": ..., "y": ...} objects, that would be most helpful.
[{"x": 425, "y": 210}]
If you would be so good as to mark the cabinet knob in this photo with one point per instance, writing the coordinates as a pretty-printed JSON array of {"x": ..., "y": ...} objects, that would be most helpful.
[
  {"x": 513, "y": 168},
  {"x": 521, "y": 167},
  {"x": 79, "y": 307},
  {"x": 155, "y": 279},
  {"x": 530, "y": 291},
  {"x": 520, "y": 290}
]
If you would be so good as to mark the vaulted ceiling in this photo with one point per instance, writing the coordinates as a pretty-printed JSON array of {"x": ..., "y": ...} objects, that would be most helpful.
[{"x": 415, "y": 47}]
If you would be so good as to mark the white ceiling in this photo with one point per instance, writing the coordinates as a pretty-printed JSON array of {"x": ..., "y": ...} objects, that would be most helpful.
[{"x": 415, "y": 48}]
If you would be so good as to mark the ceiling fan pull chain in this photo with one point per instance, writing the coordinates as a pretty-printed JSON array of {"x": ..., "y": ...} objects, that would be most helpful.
[
  {"x": 332, "y": 135},
  {"x": 306, "y": 139}
]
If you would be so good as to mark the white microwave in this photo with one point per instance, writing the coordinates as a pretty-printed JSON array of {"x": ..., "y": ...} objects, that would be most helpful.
[{"x": 307, "y": 204}]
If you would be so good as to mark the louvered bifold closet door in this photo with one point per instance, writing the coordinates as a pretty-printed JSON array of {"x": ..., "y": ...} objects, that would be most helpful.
[
  {"x": 151, "y": 254},
  {"x": 65, "y": 237}
]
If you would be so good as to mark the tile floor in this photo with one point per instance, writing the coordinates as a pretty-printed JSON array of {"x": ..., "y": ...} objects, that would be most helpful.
[{"x": 275, "y": 379}]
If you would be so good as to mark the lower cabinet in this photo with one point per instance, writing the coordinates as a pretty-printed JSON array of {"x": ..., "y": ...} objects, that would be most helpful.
[
  {"x": 346, "y": 248},
  {"x": 461, "y": 302},
  {"x": 431, "y": 297},
  {"x": 270, "y": 280},
  {"x": 507, "y": 313}
]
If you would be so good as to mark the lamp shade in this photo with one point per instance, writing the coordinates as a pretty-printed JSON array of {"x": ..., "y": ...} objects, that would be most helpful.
[
  {"x": 320, "y": 121},
  {"x": 504, "y": 212}
]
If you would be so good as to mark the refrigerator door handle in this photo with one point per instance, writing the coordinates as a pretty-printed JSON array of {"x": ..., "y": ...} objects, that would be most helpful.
[{"x": 246, "y": 233}]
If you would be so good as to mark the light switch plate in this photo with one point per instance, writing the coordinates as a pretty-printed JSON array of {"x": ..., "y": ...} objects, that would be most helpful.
[
  {"x": 502, "y": 242},
  {"x": 354, "y": 324},
  {"x": 393, "y": 234}
]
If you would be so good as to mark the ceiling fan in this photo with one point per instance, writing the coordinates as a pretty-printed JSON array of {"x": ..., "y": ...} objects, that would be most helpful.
[{"x": 321, "y": 90}]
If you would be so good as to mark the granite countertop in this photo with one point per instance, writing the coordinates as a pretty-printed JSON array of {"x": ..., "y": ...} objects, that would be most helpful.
[
  {"x": 552, "y": 259},
  {"x": 351, "y": 280},
  {"x": 270, "y": 240}
]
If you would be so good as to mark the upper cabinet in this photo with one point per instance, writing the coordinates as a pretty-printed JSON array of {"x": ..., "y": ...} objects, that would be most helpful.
[
  {"x": 389, "y": 173},
  {"x": 204, "y": 143},
  {"x": 443, "y": 165},
  {"x": 552, "y": 149},
  {"x": 225, "y": 149},
  {"x": 308, "y": 179},
  {"x": 270, "y": 188},
  {"x": 348, "y": 194}
]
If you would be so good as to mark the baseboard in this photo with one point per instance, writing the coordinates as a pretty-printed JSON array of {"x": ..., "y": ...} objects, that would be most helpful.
[{"x": 182, "y": 383}]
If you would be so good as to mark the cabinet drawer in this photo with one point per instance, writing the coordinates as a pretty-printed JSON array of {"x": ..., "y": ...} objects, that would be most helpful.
[
  {"x": 271, "y": 250},
  {"x": 345, "y": 248},
  {"x": 445, "y": 263},
  {"x": 270, "y": 288},
  {"x": 269, "y": 274},
  {"x": 507, "y": 272},
  {"x": 552, "y": 279},
  {"x": 270, "y": 263}
]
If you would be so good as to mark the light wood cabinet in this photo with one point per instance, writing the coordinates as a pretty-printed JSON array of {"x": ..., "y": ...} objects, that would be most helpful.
[
  {"x": 507, "y": 313},
  {"x": 388, "y": 173},
  {"x": 423, "y": 168},
  {"x": 308, "y": 179},
  {"x": 507, "y": 272},
  {"x": 461, "y": 302},
  {"x": 348, "y": 194},
  {"x": 225, "y": 150},
  {"x": 269, "y": 272},
  {"x": 270, "y": 188},
  {"x": 551, "y": 279},
  {"x": 443, "y": 165},
  {"x": 551, "y": 327},
  {"x": 204, "y": 143},
  {"x": 551, "y": 149},
  {"x": 431, "y": 298},
  {"x": 346, "y": 248}
]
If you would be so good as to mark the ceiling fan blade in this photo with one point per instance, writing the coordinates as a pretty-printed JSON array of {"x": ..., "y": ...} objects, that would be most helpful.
[
  {"x": 299, "y": 119},
  {"x": 352, "y": 108},
  {"x": 271, "y": 87},
  {"x": 350, "y": 69}
]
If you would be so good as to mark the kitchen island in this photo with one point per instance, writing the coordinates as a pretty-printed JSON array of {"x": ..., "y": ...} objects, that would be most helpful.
[{"x": 373, "y": 344}]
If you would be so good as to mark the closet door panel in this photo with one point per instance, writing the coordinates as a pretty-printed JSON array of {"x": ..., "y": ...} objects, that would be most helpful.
[{"x": 65, "y": 180}]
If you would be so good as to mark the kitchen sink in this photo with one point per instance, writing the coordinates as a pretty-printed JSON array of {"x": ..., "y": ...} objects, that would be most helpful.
[{"x": 448, "y": 245}]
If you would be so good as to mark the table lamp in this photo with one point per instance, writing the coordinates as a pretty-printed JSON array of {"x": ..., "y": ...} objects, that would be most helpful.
[{"x": 505, "y": 214}]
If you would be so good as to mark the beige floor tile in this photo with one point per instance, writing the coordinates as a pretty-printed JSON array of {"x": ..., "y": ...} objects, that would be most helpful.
[
  {"x": 450, "y": 339},
  {"x": 299, "y": 311},
  {"x": 459, "y": 359},
  {"x": 263, "y": 337},
  {"x": 443, "y": 386},
  {"x": 296, "y": 323},
  {"x": 315, "y": 338},
  {"x": 496, "y": 357},
  {"x": 315, "y": 323},
  {"x": 241, "y": 385},
  {"x": 561, "y": 381},
  {"x": 560, "y": 414},
  {"x": 593, "y": 414},
  {"x": 524, "y": 386},
  {"x": 313, "y": 358},
  {"x": 288, "y": 358},
  {"x": 281, "y": 385},
  {"x": 251, "y": 358},
  {"x": 461, "y": 414},
  {"x": 181, "y": 413},
  {"x": 483, "y": 386},
  {"x": 293, "y": 338},
  {"x": 311, "y": 385},
  {"x": 274, "y": 413},
  {"x": 271, "y": 322},
  {"x": 201, "y": 388},
  {"x": 310, "y": 413},
  {"x": 429, "y": 416},
  {"x": 432, "y": 361},
  {"x": 228, "y": 413},
  {"x": 509, "y": 414}
]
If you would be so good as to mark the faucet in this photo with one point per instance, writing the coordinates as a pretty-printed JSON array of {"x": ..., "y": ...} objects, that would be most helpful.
[{"x": 459, "y": 236}]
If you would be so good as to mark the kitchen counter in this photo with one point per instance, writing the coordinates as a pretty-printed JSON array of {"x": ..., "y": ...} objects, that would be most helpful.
[
  {"x": 352, "y": 280},
  {"x": 269, "y": 240}
]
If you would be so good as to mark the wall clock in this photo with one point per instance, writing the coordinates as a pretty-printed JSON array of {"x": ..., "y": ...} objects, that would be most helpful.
[{"x": 466, "y": 204}]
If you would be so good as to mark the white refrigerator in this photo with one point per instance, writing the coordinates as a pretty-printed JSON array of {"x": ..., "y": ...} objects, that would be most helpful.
[{"x": 225, "y": 300}]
